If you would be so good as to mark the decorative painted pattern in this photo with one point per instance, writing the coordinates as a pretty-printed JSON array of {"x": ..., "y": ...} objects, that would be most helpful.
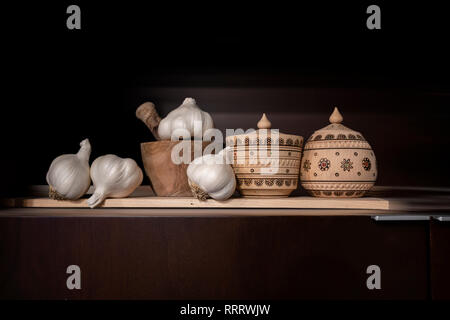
[
  {"x": 265, "y": 141},
  {"x": 346, "y": 164},
  {"x": 267, "y": 162},
  {"x": 367, "y": 165},
  {"x": 347, "y": 194},
  {"x": 337, "y": 144},
  {"x": 258, "y": 182},
  {"x": 324, "y": 164},
  {"x": 343, "y": 186},
  {"x": 340, "y": 136},
  {"x": 307, "y": 165}
]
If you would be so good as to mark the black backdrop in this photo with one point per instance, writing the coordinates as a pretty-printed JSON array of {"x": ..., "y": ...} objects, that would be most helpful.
[{"x": 294, "y": 62}]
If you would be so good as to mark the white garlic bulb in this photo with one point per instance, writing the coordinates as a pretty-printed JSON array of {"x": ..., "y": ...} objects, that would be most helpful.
[
  {"x": 211, "y": 176},
  {"x": 185, "y": 117},
  {"x": 68, "y": 175},
  {"x": 113, "y": 177}
]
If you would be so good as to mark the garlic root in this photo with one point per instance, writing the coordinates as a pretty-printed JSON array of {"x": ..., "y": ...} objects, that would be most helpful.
[
  {"x": 148, "y": 114},
  {"x": 197, "y": 191},
  {"x": 53, "y": 194}
]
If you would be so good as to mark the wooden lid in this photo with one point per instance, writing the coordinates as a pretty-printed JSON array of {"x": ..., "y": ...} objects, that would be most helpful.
[
  {"x": 264, "y": 123},
  {"x": 264, "y": 135},
  {"x": 336, "y": 130}
]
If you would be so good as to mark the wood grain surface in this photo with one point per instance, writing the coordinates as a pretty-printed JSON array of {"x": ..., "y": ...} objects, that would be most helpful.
[
  {"x": 212, "y": 258},
  {"x": 440, "y": 259},
  {"x": 190, "y": 202},
  {"x": 389, "y": 199},
  {"x": 182, "y": 212}
]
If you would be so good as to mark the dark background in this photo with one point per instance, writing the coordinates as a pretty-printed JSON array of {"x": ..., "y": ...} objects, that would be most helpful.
[{"x": 294, "y": 62}]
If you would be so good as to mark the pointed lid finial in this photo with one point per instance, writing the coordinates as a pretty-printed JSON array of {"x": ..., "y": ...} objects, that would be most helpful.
[
  {"x": 264, "y": 123},
  {"x": 336, "y": 116}
]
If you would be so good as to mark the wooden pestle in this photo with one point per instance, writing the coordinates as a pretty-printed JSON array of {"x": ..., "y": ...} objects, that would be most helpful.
[{"x": 148, "y": 114}]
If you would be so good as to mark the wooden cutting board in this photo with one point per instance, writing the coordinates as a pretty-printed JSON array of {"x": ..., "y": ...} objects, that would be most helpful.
[
  {"x": 379, "y": 198},
  {"x": 189, "y": 202}
]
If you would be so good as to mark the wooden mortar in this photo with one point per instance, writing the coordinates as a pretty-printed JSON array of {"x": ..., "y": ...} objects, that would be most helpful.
[{"x": 167, "y": 178}]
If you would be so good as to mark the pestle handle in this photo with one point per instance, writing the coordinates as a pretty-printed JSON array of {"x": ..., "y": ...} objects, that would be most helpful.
[{"x": 148, "y": 114}]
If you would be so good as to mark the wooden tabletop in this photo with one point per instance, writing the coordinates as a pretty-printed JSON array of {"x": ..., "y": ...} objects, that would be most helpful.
[{"x": 381, "y": 200}]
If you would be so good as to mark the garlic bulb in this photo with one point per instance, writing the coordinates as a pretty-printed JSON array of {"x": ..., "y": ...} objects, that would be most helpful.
[
  {"x": 68, "y": 175},
  {"x": 211, "y": 176},
  {"x": 113, "y": 177},
  {"x": 185, "y": 117}
]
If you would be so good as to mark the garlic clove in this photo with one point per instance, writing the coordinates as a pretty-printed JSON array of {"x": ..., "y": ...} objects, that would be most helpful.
[
  {"x": 68, "y": 176},
  {"x": 225, "y": 191},
  {"x": 113, "y": 177},
  {"x": 211, "y": 176},
  {"x": 184, "y": 117}
]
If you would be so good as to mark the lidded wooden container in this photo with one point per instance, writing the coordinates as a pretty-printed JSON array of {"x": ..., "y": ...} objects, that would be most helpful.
[
  {"x": 338, "y": 162},
  {"x": 266, "y": 162}
]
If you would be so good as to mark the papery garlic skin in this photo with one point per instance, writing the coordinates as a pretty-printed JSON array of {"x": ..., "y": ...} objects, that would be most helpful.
[
  {"x": 68, "y": 176},
  {"x": 184, "y": 117},
  {"x": 211, "y": 174},
  {"x": 113, "y": 177}
]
